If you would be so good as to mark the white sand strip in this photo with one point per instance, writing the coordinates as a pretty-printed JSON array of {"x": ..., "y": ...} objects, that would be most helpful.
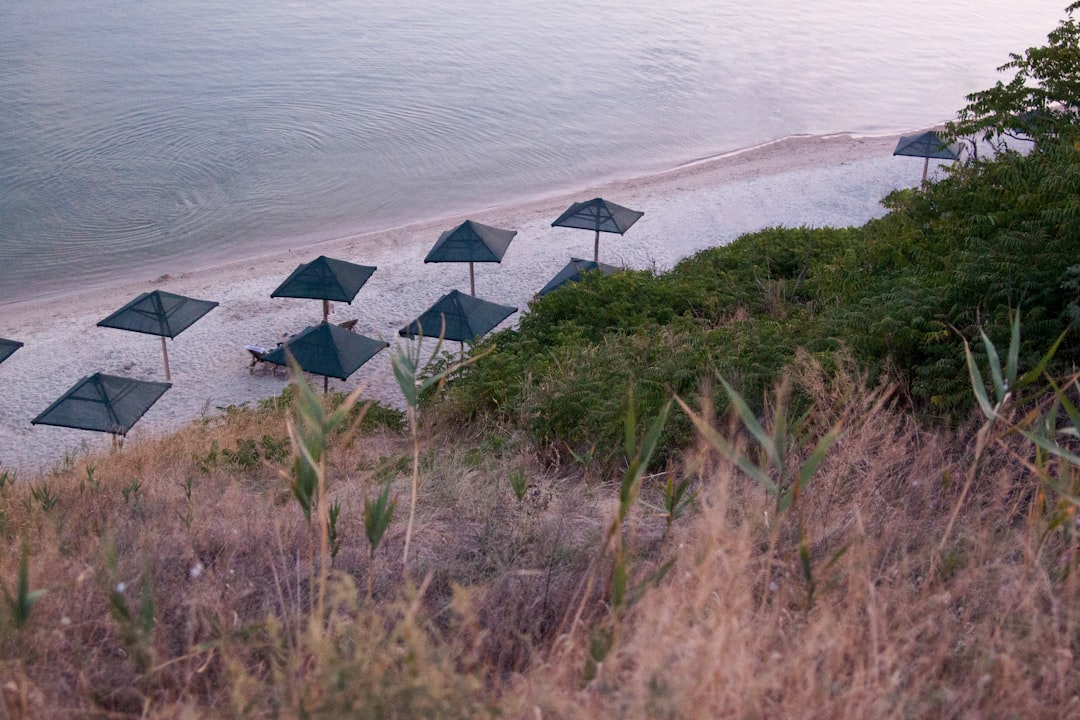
[{"x": 837, "y": 180}]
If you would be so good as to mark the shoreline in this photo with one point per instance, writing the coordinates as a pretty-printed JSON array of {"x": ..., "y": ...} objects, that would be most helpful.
[
  {"x": 824, "y": 180},
  {"x": 209, "y": 261}
]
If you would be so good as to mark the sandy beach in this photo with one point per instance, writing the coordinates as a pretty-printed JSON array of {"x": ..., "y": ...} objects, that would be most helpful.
[{"x": 815, "y": 181}]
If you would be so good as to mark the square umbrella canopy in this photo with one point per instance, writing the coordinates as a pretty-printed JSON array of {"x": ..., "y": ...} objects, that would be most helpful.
[
  {"x": 599, "y": 215},
  {"x": 7, "y": 347},
  {"x": 458, "y": 316},
  {"x": 327, "y": 350},
  {"x": 471, "y": 242},
  {"x": 325, "y": 279},
  {"x": 159, "y": 313},
  {"x": 926, "y": 145},
  {"x": 105, "y": 403},
  {"x": 573, "y": 271}
]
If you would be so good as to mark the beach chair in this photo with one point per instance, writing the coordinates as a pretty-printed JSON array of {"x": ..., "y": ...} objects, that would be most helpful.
[
  {"x": 349, "y": 324},
  {"x": 258, "y": 356}
]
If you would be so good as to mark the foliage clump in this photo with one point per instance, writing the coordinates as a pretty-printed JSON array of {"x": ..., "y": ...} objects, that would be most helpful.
[{"x": 901, "y": 293}]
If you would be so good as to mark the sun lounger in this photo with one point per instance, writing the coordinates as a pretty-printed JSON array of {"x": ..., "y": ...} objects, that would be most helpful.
[
  {"x": 258, "y": 355},
  {"x": 349, "y": 324}
]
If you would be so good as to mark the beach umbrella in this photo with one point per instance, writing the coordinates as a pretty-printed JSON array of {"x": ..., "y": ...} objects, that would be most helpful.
[
  {"x": 573, "y": 271},
  {"x": 105, "y": 403},
  {"x": 159, "y": 313},
  {"x": 471, "y": 242},
  {"x": 325, "y": 279},
  {"x": 327, "y": 350},
  {"x": 599, "y": 215},
  {"x": 926, "y": 145},
  {"x": 457, "y": 316},
  {"x": 7, "y": 347}
]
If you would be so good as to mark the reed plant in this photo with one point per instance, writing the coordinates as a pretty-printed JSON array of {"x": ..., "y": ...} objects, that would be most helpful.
[{"x": 22, "y": 600}]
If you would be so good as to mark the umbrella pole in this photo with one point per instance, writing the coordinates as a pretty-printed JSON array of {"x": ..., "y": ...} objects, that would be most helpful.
[
  {"x": 325, "y": 310},
  {"x": 165, "y": 354},
  {"x": 596, "y": 248},
  {"x": 472, "y": 279},
  {"x": 325, "y": 384},
  {"x": 925, "y": 167}
]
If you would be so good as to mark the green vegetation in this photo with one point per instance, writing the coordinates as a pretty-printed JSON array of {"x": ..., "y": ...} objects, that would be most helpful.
[{"x": 899, "y": 294}]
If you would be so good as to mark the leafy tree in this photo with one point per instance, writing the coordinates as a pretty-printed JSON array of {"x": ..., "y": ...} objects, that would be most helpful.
[{"x": 1041, "y": 100}]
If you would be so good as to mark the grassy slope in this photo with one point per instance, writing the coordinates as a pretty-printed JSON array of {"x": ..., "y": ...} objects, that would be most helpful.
[
  {"x": 904, "y": 620},
  {"x": 909, "y": 580}
]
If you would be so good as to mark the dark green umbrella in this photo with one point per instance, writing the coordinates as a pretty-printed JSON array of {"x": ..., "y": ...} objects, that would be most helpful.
[
  {"x": 7, "y": 347},
  {"x": 105, "y": 403},
  {"x": 599, "y": 215},
  {"x": 471, "y": 242},
  {"x": 159, "y": 313},
  {"x": 457, "y": 316},
  {"x": 926, "y": 145},
  {"x": 325, "y": 279},
  {"x": 573, "y": 271},
  {"x": 327, "y": 350}
]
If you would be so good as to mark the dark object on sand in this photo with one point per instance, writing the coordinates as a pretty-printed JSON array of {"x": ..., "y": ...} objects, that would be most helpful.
[
  {"x": 159, "y": 313},
  {"x": 327, "y": 350},
  {"x": 457, "y": 316},
  {"x": 104, "y": 403},
  {"x": 471, "y": 242},
  {"x": 7, "y": 347},
  {"x": 926, "y": 145},
  {"x": 573, "y": 271},
  {"x": 325, "y": 279},
  {"x": 599, "y": 215}
]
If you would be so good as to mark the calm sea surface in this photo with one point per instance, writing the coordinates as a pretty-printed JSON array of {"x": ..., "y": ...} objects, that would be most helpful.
[{"x": 140, "y": 137}]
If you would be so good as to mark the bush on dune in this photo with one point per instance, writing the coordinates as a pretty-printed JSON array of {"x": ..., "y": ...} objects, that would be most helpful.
[{"x": 901, "y": 293}]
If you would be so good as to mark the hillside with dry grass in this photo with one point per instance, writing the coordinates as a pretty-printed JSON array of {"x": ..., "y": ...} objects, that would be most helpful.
[{"x": 909, "y": 578}]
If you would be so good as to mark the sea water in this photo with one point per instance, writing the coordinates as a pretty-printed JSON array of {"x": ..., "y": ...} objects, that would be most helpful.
[{"x": 140, "y": 138}]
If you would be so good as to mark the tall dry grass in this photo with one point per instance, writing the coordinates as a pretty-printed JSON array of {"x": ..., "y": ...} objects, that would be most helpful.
[
  {"x": 987, "y": 627},
  {"x": 482, "y": 621}
]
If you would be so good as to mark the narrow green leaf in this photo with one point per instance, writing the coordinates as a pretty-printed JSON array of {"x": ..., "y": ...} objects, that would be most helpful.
[
  {"x": 751, "y": 423},
  {"x": 821, "y": 451},
  {"x": 618, "y": 583},
  {"x": 804, "y": 558},
  {"x": 1051, "y": 447},
  {"x": 1032, "y": 375},
  {"x": 25, "y": 598},
  {"x": 725, "y": 448},
  {"x": 1070, "y": 408},
  {"x": 405, "y": 374},
  {"x": 377, "y": 517},
  {"x": 631, "y": 482},
  {"x": 977, "y": 384},
  {"x": 995, "y": 368},
  {"x": 652, "y": 436},
  {"x": 838, "y": 554},
  {"x": 638, "y": 591},
  {"x": 1013, "y": 358}
]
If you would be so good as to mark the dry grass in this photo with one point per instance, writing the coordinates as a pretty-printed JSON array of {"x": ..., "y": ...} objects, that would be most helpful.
[{"x": 987, "y": 627}]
